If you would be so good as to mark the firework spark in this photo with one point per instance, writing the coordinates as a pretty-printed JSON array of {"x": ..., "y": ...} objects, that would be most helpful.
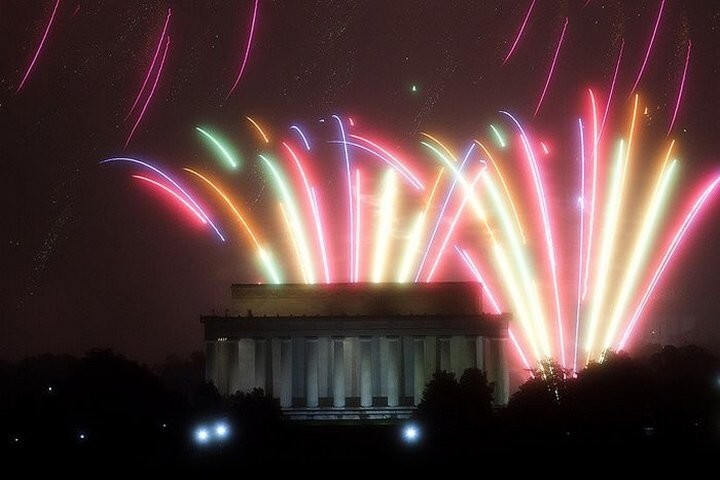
[
  {"x": 151, "y": 94},
  {"x": 39, "y": 48},
  {"x": 552, "y": 68},
  {"x": 520, "y": 32},
  {"x": 152, "y": 64},
  {"x": 649, "y": 48},
  {"x": 251, "y": 33},
  {"x": 680, "y": 90}
]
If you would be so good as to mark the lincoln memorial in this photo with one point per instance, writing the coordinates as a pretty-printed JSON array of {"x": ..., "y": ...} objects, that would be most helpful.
[{"x": 353, "y": 351}]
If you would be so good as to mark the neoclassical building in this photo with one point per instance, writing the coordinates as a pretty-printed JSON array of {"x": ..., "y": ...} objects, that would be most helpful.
[{"x": 353, "y": 351}]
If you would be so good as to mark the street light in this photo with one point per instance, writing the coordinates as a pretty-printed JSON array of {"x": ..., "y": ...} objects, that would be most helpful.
[
  {"x": 217, "y": 432},
  {"x": 221, "y": 430},
  {"x": 411, "y": 433},
  {"x": 202, "y": 435}
]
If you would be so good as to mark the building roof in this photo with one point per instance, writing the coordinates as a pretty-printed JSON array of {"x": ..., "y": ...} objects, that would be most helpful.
[{"x": 352, "y": 299}]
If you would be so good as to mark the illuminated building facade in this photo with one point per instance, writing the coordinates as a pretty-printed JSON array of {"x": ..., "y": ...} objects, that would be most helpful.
[{"x": 353, "y": 351}]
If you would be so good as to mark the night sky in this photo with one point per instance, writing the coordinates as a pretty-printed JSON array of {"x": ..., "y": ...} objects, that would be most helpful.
[{"x": 89, "y": 258}]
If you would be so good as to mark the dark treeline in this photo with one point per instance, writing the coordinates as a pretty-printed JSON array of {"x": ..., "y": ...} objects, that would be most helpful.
[
  {"x": 105, "y": 408},
  {"x": 665, "y": 402}
]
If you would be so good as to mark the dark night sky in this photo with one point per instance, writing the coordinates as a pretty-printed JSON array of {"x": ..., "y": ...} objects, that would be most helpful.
[{"x": 89, "y": 258}]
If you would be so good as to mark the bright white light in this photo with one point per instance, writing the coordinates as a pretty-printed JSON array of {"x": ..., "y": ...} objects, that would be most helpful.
[
  {"x": 221, "y": 430},
  {"x": 82, "y": 436},
  {"x": 411, "y": 433},
  {"x": 49, "y": 389},
  {"x": 202, "y": 435}
]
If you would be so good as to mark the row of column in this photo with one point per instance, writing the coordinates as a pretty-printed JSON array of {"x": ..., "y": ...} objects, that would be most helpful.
[{"x": 248, "y": 363}]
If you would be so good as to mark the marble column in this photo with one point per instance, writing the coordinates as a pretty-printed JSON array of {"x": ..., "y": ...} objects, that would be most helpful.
[
  {"x": 211, "y": 362},
  {"x": 245, "y": 372},
  {"x": 261, "y": 370},
  {"x": 222, "y": 369},
  {"x": 419, "y": 361},
  {"x": 480, "y": 353},
  {"x": 366, "y": 394},
  {"x": 311, "y": 372},
  {"x": 470, "y": 353},
  {"x": 338, "y": 372},
  {"x": 393, "y": 371},
  {"x": 232, "y": 350},
  {"x": 497, "y": 369},
  {"x": 444, "y": 354},
  {"x": 285, "y": 372}
]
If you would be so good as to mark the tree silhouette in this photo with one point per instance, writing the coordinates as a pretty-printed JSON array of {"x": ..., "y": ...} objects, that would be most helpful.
[
  {"x": 613, "y": 399},
  {"x": 539, "y": 407},
  {"x": 476, "y": 397},
  {"x": 688, "y": 393},
  {"x": 456, "y": 415}
]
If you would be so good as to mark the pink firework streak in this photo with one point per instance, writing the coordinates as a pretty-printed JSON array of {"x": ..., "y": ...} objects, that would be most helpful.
[
  {"x": 581, "y": 205},
  {"x": 150, "y": 95},
  {"x": 591, "y": 225},
  {"x": 476, "y": 273},
  {"x": 612, "y": 87},
  {"x": 453, "y": 224},
  {"x": 550, "y": 245},
  {"x": 174, "y": 194},
  {"x": 667, "y": 256},
  {"x": 247, "y": 50},
  {"x": 152, "y": 64},
  {"x": 520, "y": 32},
  {"x": 649, "y": 49},
  {"x": 40, "y": 47},
  {"x": 310, "y": 191},
  {"x": 552, "y": 68},
  {"x": 351, "y": 209},
  {"x": 682, "y": 87}
]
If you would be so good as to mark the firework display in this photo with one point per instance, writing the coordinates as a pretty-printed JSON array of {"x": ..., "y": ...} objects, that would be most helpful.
[
  {"x": 407, "y": 220},
  {"x": 570, "y": 191}
]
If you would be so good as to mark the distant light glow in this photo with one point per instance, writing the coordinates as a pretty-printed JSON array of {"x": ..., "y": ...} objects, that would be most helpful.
[
  {"x": 411, "y": 433},
  {"x": 202, "y": 435},
  {"x": 221, "y": 430}
]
